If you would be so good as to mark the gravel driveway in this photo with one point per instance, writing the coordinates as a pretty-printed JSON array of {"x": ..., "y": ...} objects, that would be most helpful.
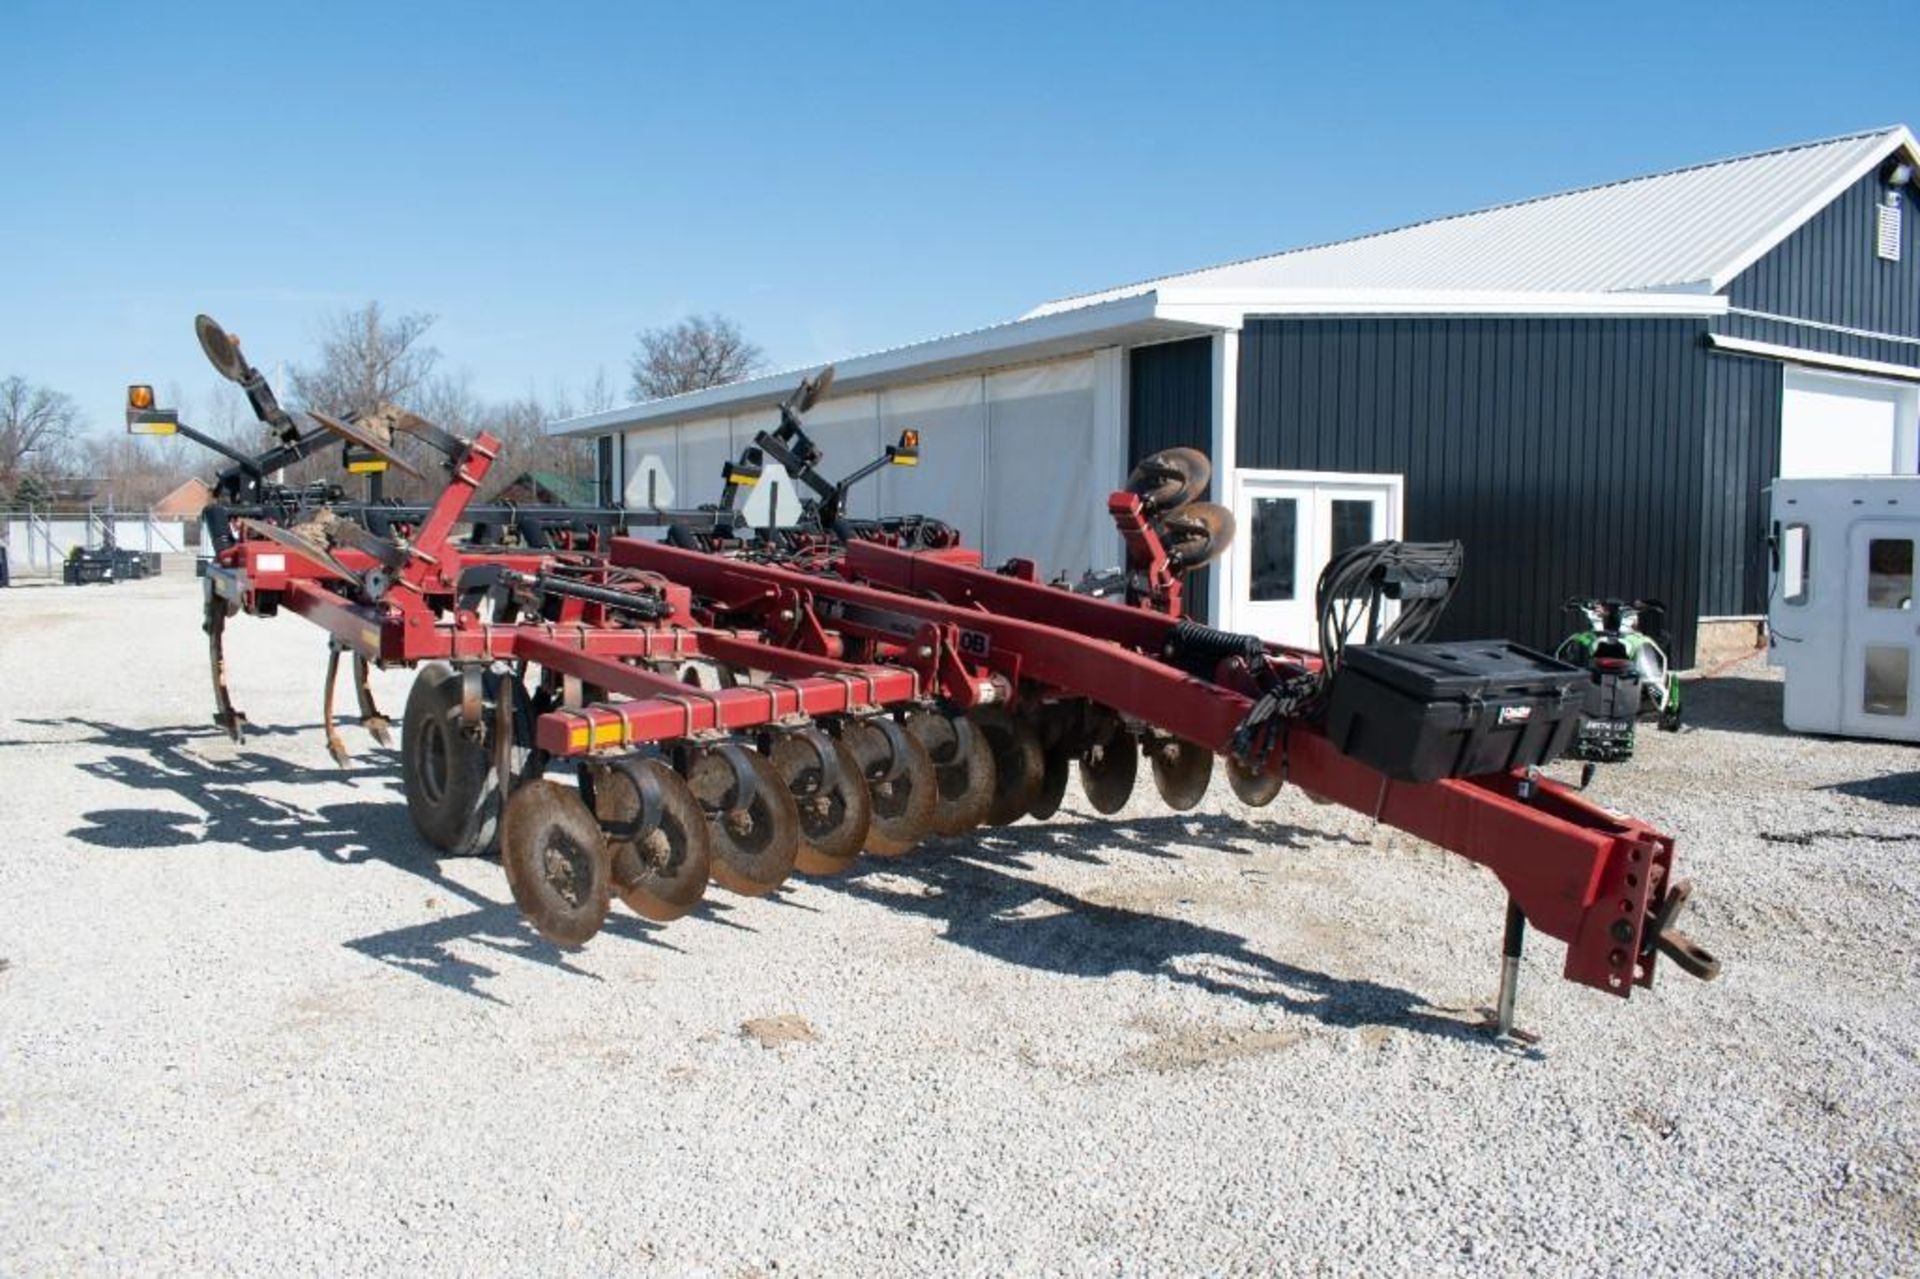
[{"x": 247, "y": 1023}]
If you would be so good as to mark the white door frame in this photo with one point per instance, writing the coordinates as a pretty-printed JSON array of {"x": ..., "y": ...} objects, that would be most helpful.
[{"x": 1230, "y": 573}]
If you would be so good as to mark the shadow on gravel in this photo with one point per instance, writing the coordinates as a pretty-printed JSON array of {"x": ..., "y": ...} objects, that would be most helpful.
[
  {"x": 1735, "y": 704},
  {"x": 176, "y": 760},
  {"x": 1902, "y": 789},
  {"x": 1005, "y": 916}
]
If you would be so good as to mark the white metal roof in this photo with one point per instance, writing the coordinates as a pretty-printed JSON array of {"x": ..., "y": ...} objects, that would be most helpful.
[
  {"x": 1691, "y": 230},
  {"x": 1129, "y": 321},
  {"x": 1660, "y": 245}
]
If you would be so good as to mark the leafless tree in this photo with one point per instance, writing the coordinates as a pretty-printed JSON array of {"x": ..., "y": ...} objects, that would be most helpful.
[
  {"x": 33, "y": 420},
  {"x": 698, "y": 352},
  {"x": 366, "y": 360}
]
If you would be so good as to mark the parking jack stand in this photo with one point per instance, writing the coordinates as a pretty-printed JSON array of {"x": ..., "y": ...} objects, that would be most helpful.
[{"x": 1510, "y": 968}]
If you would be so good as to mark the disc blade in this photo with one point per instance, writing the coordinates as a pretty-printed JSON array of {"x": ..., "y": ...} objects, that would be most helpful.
[
  {"x": 962, "y": 767},
  {"x": 1107, "y": 772},
  {"x": 367, "y": 440},
  {"x": 557, "y": 863},
  {"x": 831, "y": 794},
  {"x": 1181, "y": 771},
  {"x": 1170, "y": 478},
  {"x": 291, "y": 541},
  {"x": 1196, "y": 535},
  {"x": 660, "y": 873},
  {"x": 900, "y": 783},
  {"x": 1255, "y": 789},
  {"x": 1019, "y": 763},
  {"x": 1054, "y": 772},
  {"x": 752, "y": 821}
]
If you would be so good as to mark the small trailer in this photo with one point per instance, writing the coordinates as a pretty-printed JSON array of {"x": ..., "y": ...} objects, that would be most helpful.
[
  {"x": 736, "y": 705},
  {"x": 1841, "y": 619}
]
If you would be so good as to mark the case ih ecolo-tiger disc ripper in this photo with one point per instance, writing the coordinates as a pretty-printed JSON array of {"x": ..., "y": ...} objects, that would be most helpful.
[{"x": 739, "y": 704}]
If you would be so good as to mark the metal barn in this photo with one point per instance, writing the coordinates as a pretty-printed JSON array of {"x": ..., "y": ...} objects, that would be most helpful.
[{"x": 1592, "y": 390}]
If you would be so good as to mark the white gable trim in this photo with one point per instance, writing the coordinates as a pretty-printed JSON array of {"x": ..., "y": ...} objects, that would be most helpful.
[{"x": 1900, "y": 139}]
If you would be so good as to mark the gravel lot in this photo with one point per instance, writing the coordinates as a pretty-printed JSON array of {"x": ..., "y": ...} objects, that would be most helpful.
[{"x": 246, "y": 1023}]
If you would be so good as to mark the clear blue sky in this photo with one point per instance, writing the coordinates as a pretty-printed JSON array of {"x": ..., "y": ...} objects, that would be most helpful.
[{"x": 548, "y": 179}]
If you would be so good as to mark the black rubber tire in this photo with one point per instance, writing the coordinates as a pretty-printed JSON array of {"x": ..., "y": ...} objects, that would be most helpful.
[
  {"x": 1108, "y": 770},
  {"x": 445, "y": 775},
  {"x": 962, "y": 769},
  {"x": 1019, "y": 763},
  {"x": 833, "y": 824},
  {"x": 663, "y": 873},
  {"x": 903, "y": 806},
  {"x": 754, "y": 845},
  {"x": 557, "y": 862}
]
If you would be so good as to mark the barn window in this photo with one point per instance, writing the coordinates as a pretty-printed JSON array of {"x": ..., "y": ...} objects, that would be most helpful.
[{"x": 1887, "y": 228}]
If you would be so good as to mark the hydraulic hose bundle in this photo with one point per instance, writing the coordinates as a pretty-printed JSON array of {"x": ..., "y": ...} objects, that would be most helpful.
[{"x": 1349, "y": 600}]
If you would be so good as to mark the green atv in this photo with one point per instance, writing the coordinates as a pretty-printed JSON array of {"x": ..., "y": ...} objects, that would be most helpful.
[{"x": 1631, "y": 676}]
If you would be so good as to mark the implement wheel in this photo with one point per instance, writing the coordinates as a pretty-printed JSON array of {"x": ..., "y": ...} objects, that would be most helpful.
[
  {"x": 962, "y": 768},
  {"x": 1169, "y": 478},
  {"x": 1181, "y": 771},
  {"x": 831, "y": 794},
  {"x": 557, "y": 862},
  {"x": 1108, "y": 768},
  {"x": 751, "y": 818},
  {"x": 1019, "y": 763},
  {"x": 900, "y": 783},
  {"x": 662, "y": 854},
  {"x": 445, "y": 773}
]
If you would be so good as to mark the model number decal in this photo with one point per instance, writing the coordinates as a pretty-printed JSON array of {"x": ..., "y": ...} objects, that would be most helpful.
[{"x": 975, "y": 644}]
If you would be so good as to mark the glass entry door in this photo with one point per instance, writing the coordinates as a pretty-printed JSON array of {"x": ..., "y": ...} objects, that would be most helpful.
[{"x": 1290, "y": 523}]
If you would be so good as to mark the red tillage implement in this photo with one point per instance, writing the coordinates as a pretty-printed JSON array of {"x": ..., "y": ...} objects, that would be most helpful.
[{"x": 741, "y": 707}]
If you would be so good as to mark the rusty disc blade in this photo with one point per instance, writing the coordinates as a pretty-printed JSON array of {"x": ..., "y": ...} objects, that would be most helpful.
[
  {"x": 962, "y": 768},
  {"x": 301, "y": 546},
  {"x": 221, "y": 347},
  {"x": 1108, "y": 769},
  {"x": 1054, "y": 772},
  {"x": 367, "y": 440},
  {"x": 660, "y": 869},
  {"x": 557, "y": 862},
  {"x": 752, "y": 821},
  {"x": 1170, "y": 478},
  {"x": 831, "y": 794},
  {"x": 1019, "y": 763},
  {"x": 900, "y": 783},
  {"x": 1195, "y": 535},
  {"x": 1254, "y": 789}
]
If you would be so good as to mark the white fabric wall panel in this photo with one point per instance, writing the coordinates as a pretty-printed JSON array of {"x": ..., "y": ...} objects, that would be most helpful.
[
  {"x": 650, "y": 462},
  {"x": 950, "y": 482},
  {"x": 847, "y": 429},
  {"x": 1040, "y": 496},
  {"x": 705, "y": 446}
]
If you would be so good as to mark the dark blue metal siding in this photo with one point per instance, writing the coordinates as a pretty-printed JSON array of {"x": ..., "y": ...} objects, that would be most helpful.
[
  {"x": 1742, "y": 456},
  {"x": 1170, "y": 403},
  {"x": 1169, "y": 397},
  {"x": 1828, "y": 272},
  {"x": 603, "y": 468},
  {"x": 1566, "y": 453}
]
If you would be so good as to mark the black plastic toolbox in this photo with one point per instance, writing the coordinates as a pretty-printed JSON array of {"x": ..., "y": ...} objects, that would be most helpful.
[{"x": 1420, "y": 712}]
